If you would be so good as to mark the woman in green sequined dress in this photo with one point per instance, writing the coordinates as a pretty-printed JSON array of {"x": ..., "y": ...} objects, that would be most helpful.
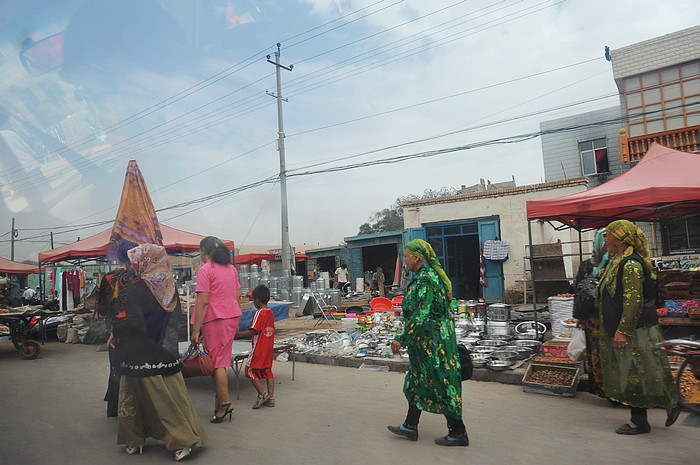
[
  {"x": 433, "y": 382},
  {"x": 634, "y": 372}
]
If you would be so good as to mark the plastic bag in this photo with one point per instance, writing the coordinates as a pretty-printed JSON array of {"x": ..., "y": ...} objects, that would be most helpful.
[{"x": 577, "y": 346}]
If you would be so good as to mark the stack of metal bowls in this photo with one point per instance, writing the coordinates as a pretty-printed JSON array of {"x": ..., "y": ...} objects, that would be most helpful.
[
  {"x": 479, "y": 360},
  {"x": 523, "y": 352},
  {"x": 534, "y": 346},
  {"x": 507, "y": 355},
  {"x": 492, "y": 343},
  {"x": 498, "y": 365}
]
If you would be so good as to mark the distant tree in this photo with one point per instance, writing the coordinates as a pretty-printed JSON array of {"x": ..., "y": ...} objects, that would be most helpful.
[{"x": 391, "y": 218}]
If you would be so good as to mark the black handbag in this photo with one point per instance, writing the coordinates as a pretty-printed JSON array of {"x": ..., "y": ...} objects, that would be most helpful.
[
  {"x": 584, "y": 297},
  {"x": 465, "y": 359}
]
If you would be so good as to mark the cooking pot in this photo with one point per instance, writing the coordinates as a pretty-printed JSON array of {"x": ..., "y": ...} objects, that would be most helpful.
[{"x": 498, "y": 312}]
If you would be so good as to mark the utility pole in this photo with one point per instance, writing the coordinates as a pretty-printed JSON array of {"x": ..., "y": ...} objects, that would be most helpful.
[
  {"x": 286, "y": 247},
  {"x": 12, "y": 241}
]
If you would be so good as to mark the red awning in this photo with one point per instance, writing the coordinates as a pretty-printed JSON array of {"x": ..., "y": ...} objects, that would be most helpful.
[
  {"x": 174, "y": 241},
  {"x": 257, "y": 258},
  {"x": 665, "y": 183},
  {"x": 10, "y": 267}
]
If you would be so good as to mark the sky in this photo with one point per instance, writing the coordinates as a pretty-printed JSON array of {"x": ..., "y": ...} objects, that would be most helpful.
[{"x": 381, "y": 99}]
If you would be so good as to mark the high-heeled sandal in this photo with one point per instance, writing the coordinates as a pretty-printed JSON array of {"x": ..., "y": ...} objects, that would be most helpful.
[
  {"x": 219, "y": 419},
  {"x": 131, "y": 450},
  {"x": 182, "y": 453}
]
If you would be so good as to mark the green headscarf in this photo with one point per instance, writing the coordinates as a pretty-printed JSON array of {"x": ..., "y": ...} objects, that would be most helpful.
[
  {"x": 421, "y": 249},
  {"x": 599, "y": 256},
  {"x": 636, "y": 241}
]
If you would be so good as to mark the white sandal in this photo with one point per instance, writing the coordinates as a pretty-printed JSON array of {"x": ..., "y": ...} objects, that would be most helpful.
[
  {"x": 182, "y": 453},
  {"x": 131, "y": 450}
]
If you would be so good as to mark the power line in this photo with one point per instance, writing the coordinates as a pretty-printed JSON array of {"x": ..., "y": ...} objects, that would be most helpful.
[{"x": 193, "y": 89}]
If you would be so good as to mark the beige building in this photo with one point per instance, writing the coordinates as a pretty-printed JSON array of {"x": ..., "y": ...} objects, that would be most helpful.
[{"x": 456, "y": 226}]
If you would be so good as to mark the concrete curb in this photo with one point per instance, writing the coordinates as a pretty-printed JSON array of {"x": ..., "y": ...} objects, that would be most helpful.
[{"x": 512, "y": 376}]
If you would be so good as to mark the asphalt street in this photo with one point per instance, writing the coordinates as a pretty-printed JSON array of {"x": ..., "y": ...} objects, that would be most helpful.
[{"x": 52, "y": 412}]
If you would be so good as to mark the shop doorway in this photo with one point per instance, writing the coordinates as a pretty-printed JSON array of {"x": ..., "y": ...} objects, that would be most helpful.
[{"x": 458, "y": 248}]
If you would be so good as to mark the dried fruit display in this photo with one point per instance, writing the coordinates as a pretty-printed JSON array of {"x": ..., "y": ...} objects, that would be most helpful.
[
  {"x": 689, "y": 387},
  {"x": 547, "y": 376}
]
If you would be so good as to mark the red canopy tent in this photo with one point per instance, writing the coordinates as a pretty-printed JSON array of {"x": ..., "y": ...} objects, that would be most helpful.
[
  {"x": 257, "y": 258},
  {"x": 10, "y": 267},
  {"x": 665, "y": 183},
  {"x": 174, "y": 241}
]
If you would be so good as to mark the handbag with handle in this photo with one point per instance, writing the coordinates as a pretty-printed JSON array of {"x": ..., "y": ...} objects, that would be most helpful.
[{"x": 196, "y": 362}]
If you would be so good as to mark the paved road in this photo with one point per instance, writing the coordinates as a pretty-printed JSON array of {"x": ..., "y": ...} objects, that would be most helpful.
[{"x": 52, "y": 412}]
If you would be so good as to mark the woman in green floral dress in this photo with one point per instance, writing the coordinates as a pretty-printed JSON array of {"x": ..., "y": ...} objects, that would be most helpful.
[
  {"x": 634, "y": 372},
  {"x": 433, "y": 382}
]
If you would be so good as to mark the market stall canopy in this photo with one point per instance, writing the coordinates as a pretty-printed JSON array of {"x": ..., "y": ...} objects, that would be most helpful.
[
  {"x": 665, "y": 183},
  {"x": 257, "y": 258},
  {"x": 10, "y": 267},
  {"x": 174, "y": 241}
]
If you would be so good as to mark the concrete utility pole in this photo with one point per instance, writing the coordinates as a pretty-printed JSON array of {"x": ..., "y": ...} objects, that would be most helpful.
[
  {"x": 12, "y": 241},
  {"x": 286, "y": 247}
]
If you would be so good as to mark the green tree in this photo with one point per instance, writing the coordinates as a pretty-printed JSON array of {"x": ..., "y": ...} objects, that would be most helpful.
[{"x": 391, "y": 218}]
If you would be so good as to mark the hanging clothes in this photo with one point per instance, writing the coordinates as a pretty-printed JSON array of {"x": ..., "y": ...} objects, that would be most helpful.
[{"x": 482, "y": 266}]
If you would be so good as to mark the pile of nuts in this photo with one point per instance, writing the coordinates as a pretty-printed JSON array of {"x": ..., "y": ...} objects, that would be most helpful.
[
  {"x": 551, "y": 376},
  {"x": 689, "y": 386}
]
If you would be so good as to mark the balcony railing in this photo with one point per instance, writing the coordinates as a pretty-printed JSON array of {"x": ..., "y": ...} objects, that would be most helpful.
[{"x": 633, "y": 148}]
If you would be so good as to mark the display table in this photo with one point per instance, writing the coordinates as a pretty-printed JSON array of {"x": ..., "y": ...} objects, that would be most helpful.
[
  {"x": 669, "y": 321},
  {"x": 240, "y": 351},
  {"x": 280, "y": 310}
]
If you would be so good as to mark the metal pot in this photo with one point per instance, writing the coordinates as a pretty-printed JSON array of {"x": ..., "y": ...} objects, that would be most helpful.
[
  {"x": 499, "y": 328},
  {"x": 498, "y": 312}
]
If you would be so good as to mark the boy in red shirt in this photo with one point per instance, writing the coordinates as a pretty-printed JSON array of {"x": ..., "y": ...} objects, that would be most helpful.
[{"x": 259, "y": 363}]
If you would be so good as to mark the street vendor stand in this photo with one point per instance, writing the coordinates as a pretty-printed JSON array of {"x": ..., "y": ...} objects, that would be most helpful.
[{"x": 663, "y": 185}]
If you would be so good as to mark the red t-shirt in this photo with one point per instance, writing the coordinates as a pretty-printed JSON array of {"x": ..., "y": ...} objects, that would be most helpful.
[{"x": 264, "y": 341}]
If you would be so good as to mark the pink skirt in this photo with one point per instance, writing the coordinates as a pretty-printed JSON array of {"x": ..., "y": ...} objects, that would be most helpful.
[{"x": 218, "y": 340}]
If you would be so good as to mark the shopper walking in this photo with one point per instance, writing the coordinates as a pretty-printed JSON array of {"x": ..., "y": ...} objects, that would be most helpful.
[
  {"x": 433, "y": 382},
  {"x": 216, "y": 316},
  {"x": 634, "y": 372},
  {"x": 153, "y": 398}
]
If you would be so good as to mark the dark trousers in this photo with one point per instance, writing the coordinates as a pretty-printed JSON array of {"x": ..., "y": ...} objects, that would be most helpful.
[
  {"x": 455, "y": 426},
  {"x": 639, "y": 416}
]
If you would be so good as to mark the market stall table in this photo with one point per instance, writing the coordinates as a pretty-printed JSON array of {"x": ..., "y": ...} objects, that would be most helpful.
[
  {"x": 280, "y": 310},
  {"x": 240, "y": 351}
]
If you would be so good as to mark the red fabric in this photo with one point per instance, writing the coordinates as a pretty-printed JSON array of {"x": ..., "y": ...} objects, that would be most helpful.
[
  {"x": 664, "y": 183},
  {"x": 264, "y": 339},
  {"x": 174, "y": 241}
]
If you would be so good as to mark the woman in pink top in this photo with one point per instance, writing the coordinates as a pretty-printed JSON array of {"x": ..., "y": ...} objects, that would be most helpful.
[{"x": 216, "y": 315}]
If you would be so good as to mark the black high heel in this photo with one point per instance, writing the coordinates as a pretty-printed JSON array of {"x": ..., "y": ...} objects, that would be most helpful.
[{"x": 220, "y": 419}]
